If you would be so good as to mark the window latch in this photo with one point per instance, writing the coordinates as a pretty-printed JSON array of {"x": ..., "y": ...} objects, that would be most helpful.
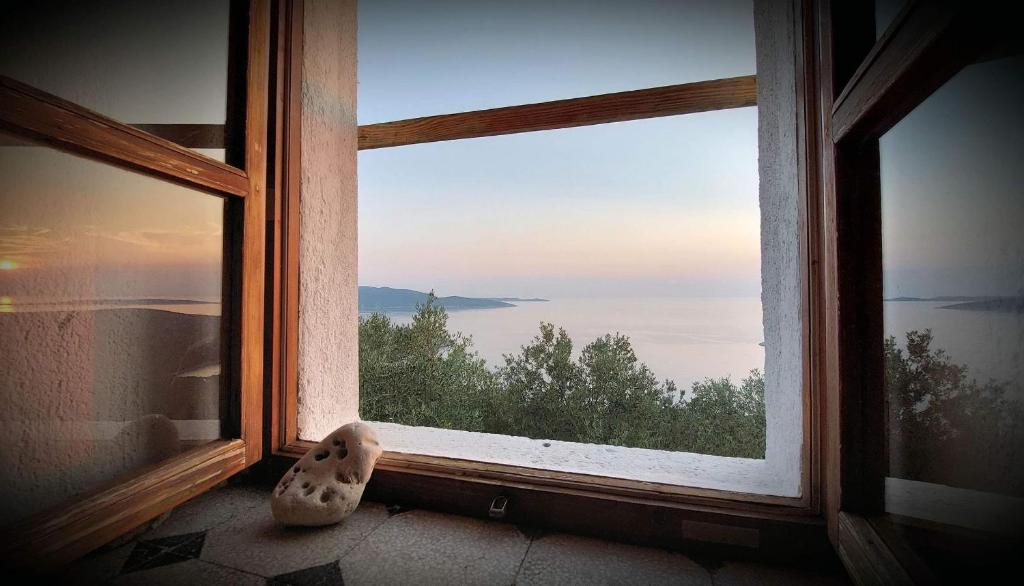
[{"x": 499, "y": 507}]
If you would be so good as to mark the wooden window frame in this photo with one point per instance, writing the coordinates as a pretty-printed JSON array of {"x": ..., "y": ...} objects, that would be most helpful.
[
  {"x": 868, "y": 86},
  {"x": 50, "y": 539},
  {"x": 747, "y": 525}
]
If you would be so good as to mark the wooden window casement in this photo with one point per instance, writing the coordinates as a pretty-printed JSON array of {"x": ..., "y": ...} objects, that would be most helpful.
[
  {"x": 159, "y": 151},
  {"x": 867, "y": 88},
  {"x": 676, "y": 516}
]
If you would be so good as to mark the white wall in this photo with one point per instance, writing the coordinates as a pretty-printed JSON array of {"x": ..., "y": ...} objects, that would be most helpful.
[{"x": 328, "y": 359}]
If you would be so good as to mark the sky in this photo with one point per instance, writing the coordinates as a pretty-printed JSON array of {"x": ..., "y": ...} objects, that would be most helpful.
[
  {"x": 952, "y": 177},
  {"x": 664, "y": 207},
  {"x": 661, "y": 207},
  {"x": 71, "y": 228}
]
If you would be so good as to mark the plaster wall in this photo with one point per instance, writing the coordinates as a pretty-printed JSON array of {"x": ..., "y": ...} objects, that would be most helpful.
[
  {"x": 782, "y": 231},
  {"x": 328, "y": 359}
]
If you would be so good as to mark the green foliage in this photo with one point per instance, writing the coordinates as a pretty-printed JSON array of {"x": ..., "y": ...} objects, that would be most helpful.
[
  {"x": 724, "y": 419},
  {"x": 947, "y": 428},
  {"x": 944, "y": 426},
  {"x": 420, "y": 374}
]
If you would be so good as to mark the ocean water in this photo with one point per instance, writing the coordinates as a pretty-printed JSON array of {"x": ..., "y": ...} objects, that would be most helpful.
[{"x": 687, "y": 340}]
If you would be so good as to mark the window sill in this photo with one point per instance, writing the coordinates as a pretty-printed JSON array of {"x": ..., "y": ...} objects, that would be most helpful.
[{"x": 669, "y": 470}]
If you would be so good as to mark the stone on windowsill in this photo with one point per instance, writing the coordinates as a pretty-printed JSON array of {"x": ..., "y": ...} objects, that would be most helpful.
[{"x": 325, "y": 485}]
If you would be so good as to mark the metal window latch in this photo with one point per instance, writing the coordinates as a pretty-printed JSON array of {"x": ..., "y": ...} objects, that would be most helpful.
[{"x": 499, "y": 507}]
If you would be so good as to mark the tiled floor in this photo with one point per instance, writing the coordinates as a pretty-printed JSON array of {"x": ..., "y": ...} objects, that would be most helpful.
[{"x": 229, "y": 537}]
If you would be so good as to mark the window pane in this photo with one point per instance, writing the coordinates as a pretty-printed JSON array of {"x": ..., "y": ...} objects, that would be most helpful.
[
  {"x": 952, "y": 207},
  {"x": 641, "y": 242},
  {"x": 141, "y": 63},
  {"x": 886, "y": 12},
  {"x": 110, "y": 324},
  {"x": 425, "y": 58}
]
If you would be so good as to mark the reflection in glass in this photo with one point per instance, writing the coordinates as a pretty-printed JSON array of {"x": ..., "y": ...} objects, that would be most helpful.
[
  {"x": 886, "y": 12},
  {"x": 139, "y": 62},
  {"x": 424, "y": 58},
  {"x": 952, "y": 209},
  {"x": 110, "y": 327},
  {"x": 643, "y": 245}
]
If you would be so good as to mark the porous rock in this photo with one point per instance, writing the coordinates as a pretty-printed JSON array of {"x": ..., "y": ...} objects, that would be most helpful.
[{"x": 325, "y": 485}]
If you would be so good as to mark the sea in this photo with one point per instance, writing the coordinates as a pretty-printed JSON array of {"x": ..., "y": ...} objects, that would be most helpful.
[
  {"x": 690, "y": 339},
  {"x": 682, "y": 339}
]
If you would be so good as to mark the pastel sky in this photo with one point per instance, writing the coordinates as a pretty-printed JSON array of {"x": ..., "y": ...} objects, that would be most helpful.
[
  {"x": 952, "y": 175},
  {"x": 73, "y": 228},
  {"x": 655, "y": 207},
  {"x": 658, "y": 207}
]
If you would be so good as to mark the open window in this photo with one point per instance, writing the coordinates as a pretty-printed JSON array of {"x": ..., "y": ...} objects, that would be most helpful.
[
  {"x": 457, "y": 464},
  {"x": 132, "y": 184},
  {"x": 923, "y": 183}
]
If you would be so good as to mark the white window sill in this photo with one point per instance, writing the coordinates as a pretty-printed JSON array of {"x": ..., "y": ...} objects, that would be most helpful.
[{"x": 673, "y": 468}]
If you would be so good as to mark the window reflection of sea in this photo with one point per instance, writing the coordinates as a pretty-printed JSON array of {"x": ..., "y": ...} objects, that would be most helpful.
[
  {"x": 989, "y": 343},
  {"x": 196, "y": 306}
]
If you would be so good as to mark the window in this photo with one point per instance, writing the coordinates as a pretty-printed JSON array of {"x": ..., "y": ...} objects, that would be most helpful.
[
  {"x": 927, "y": 256},
  {"x": 954, "y": 314},
  {"x": 131, "y": 268},
  {"x": 131, "y": 62},
  {"x": 775, "y": 469},
  {"x": 638, "y": 243},
  {"x": 111, "y": 304}
]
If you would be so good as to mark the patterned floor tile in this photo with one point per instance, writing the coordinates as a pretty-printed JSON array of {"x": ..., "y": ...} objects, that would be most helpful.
[
  {"x": 256, "y": 543},
  {"x": 210, "y": 510},
  {"x": 325, "y": 575},
  {"x": 420, "y": 547},
  {"x": 166, "y": 550},
  {"x": 190, "y": 572}
]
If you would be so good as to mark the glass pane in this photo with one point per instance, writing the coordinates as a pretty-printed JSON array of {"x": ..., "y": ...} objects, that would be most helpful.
[
  {"x": 423, "y": 58},
  {"x": 642, "y": 242},
  {"x": 952, "y": 206},
  {"x": 886, "y": 12},
  {"x": 151, "y": 62},
  {"x": 110, "y": 324}
]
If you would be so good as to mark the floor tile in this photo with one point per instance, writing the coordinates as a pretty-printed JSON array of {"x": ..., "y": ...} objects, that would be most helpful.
[
  {"x": 566, "y": 559},
  {"x": 326, "y": 575},
  {"x": 210, "y": 510},
  {"x": 751, "y": 574},
  {"x": 164, "y": 551},
  {"x": 420, "y": 547},
  {"x": 189, "y": 572},
  {"x": 255, "y": 542}
]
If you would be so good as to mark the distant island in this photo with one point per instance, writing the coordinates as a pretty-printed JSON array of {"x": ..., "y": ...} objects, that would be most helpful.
[
  {"x": 946, "y": 298},
  {"x": 1000, "y": 304},
  {"x": 387, "y": 299},
  {"x": 968, "y": 303}
]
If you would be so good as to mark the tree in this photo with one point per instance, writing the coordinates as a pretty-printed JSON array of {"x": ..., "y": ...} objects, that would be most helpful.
[
  {"x": 420, "y": 374},
  {"x": 606, "y": 396},
  {"x": 723, "y": 419},
  {"x": 946, "y": 427}
]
